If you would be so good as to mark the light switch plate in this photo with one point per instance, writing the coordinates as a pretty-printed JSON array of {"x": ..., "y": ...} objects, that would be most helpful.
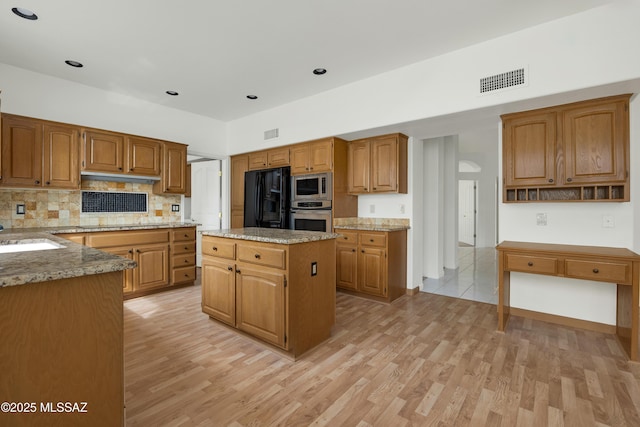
[
  {"x": 608, "y": 221},
  {"x": 541, "y": 219},
  {"x": 175, "y": 208}
]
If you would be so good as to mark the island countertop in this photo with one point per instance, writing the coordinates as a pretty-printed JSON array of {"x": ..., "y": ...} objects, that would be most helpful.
[
  {"x": 71, "y": 260},
  {"x": 271, "y": 235}
]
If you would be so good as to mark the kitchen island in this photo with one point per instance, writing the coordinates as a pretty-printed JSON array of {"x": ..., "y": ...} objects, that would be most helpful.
[
  {"x": 272, "y": 284},
  {"x": 61, "y": 332}
]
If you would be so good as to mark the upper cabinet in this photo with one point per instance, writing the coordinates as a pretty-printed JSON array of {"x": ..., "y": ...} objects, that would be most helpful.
[
  {"x": 111, "y": 152},
  {"x": 38, "y": 153},
  {"x": 378, "y": 165},
  {"x": 274, "y": 158},
  {"x": 312, "y": 157},
  {"x": 576, "y": 151},
  {"x": 174, "y": 167}
]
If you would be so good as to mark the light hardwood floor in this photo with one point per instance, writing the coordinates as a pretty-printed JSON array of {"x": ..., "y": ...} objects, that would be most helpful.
[{"x": 420, "y": 361}]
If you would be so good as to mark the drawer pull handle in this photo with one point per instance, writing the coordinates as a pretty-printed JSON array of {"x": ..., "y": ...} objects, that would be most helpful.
[
  {"x": 215, "y": 249},
  {"x": 186, "y": 248},
  {"x": 353, "y": 250},
  {"x": 371, "y": 240},
  {"x": 238, "y": 271},
  {"x": 345, "y": 238},
  {"x": 596, "y": 271},
  {"x": 186, "y": 261},
  {"x": 230, "y": 268},
  {"x": 257, "y": 256},
  {"x": 362, "y": 251},
  {"x": 530, "y": 264}
]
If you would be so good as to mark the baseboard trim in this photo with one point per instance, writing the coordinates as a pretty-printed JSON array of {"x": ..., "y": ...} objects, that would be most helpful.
[
  {"x": 564, "y": 321},
  {"x": 414, "y": 291}
]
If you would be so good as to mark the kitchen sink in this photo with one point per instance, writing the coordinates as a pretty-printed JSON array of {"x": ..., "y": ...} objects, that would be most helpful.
[{"x": 28, "y": 245}]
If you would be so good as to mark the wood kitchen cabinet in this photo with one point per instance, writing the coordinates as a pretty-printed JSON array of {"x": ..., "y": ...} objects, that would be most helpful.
[
  {"x": 174, "y": 167},
  {"x": 572, "y": 152},
  {"x": 378, "y": 165},
  {"x": 239, "y": 165},
  {"x": 183, "y": 255},
  {"x": 143, "y": 156},
  {"x": 372, "y": 263},
  {"x": 39, "y": 153},
  {"x": 312, "y": 157},
  {"x": 282, "y": 294},
  {"x": 274, "y": 158}
]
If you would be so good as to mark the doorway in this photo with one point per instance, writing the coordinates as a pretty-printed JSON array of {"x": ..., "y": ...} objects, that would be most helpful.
[{"x": 467, "y": 212}]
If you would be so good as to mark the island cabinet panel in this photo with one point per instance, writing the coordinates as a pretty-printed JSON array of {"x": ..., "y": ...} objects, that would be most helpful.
[
  {"x": 283, "y": 294},
  {"x": 372, "y": 263},
  {"x": 62, "y": 340}
]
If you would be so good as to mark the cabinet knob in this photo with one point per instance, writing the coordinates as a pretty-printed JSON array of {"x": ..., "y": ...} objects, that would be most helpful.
[
  {"x": 230, "y": 268},
  {"x": 530, "y": 264},
  {"x": 374, "y": 188},
  {"x": 186, "y": 248},
  {"x": 366, "y": 189},
  {"x": 138, "y": 250},
  {"x": 130, "y": 251},
  {"x": 596, "y": 271},
  {"x": 569, "y": 179},
  {"x": 353, "y": 250},
  {"x": 186, "y": 261},
  {"x": 257, "y": 256},
  {"x": 119, "y": 169},
  {"x": 345, "y": 238},
  {"x": 238, "y": 271},
  {"x": 550, "y": 179},
  {"x": 48, "y": 182},
  {"x": 371, "y": 240},
  {"x": 362, "y": 251},
  {"x": 215, "y": 249},
  {"x": 37, "y": 182}
]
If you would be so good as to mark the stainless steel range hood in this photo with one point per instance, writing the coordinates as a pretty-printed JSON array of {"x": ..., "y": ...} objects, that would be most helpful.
[{"x": 114, "y": 177}]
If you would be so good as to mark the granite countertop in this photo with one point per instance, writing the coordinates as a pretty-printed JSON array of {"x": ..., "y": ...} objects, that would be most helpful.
[
  {"x": 272, "y": 235},
  {"x": 97, "y": 228},
  {"x": 371, "y": 224},
  {"x": 71, "y": 260}
]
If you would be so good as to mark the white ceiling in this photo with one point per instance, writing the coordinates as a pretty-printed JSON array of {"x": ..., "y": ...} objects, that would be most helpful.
[{"x": 215, "y": 52}]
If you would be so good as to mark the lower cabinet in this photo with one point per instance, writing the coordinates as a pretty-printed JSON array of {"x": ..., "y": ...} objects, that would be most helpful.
[
  {"x": 183, "y": 255},
  {"x": 372, "y": 263},
  {"x": 269, "y": 290}
]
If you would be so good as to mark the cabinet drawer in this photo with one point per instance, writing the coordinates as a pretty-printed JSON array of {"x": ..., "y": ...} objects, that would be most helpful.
[
  {"x": 183, "y": 275},
  {"x": 531, "y": 264},
  {"x": 222, "y": 248},
  {"x": 262, "y": 255},
  {"x": 617, "y": 272},
  {"x": 183, "y": 260},
  {"x": 373, "y": 239},
  {"x": 184, "y": 247},
  {"x": 125, "y": 238},
  {"x": 183, "y": 234},
  {"x": 350, "y": 237}
]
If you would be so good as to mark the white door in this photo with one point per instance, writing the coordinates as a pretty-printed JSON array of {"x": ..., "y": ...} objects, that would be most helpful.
[
  {"x": 205, "y": 199},
  {"x": 467, "y": 212}
]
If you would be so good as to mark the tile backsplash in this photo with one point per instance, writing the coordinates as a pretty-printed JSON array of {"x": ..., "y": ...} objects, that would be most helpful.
[{"x": 54, "y": 208}]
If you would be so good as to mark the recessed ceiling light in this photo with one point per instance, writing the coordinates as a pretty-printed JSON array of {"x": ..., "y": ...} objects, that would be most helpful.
[
  {"x": 24, "y": 13},
  {"x": 75, "y": 64},
  {"x": 319, "y": 71},
  {"x": 252, "y": 97},
  {"x": 172, "y": 93}
]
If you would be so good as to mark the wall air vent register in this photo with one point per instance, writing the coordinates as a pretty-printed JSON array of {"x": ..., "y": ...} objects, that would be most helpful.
[
  {"x": 504, "y": 80},
  {"x": 113, "y": 202}
]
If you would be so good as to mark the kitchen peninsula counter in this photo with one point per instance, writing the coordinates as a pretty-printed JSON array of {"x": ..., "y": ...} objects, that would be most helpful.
[{"x": 274, "y": 285}]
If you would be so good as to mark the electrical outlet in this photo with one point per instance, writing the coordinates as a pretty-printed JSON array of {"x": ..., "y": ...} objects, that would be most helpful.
[
  {"x": 372, "y": 208},
  {"x": 20, "y": 209},
  {"x": 314, "y": 268},
  {"x": 401, "y": 208},
  {"x": 541, "y": 219}
]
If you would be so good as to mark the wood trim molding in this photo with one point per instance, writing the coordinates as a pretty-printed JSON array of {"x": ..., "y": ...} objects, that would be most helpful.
[{"x": 413, "y": 291}]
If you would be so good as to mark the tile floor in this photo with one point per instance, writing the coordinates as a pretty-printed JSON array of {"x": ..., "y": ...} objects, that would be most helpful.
[{"x": 474, "y": 279}]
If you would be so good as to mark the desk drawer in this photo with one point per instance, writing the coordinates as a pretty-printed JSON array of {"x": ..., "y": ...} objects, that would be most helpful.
[
  {"x": 262, "y": 255},
  {"x": 222, "y": 248},
  {"x": 531, "y": 264},
  {"x": 617, "y": 272}
]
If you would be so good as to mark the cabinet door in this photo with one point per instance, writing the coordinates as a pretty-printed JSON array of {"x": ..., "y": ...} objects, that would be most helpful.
[
  {"x": 299, "y": 156},
  {"x": 372, "y": 268},
  {"x": 278, "y": 157},
  {"x": 103, "y": 152},
  {"x": 384, "y": 170},
  {"x": 258, "y": 160},
  {"x": 143, "y": 156},
  {"x": 219, "y": 290},
  {"x": 358, "y": 162},
  {"x": 153, "y": 267},
  {"x": 239, "y": 165},
  {"x": 61, "y": 156},
  {"x": 260, "y": 302},
  {"x": 529, "y": 150},
  {"x": 595, "y": 139},
  {"x": 125, "y": 252},
  {"x": 320, "y": 156},
  {"x": 346, "y": 267},
  {"x": 174, "y": 168},
  {"x": 21, "y": 152}
]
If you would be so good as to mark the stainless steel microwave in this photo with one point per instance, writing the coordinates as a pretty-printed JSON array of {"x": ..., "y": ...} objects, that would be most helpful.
[{"x": 315, "y": 186}]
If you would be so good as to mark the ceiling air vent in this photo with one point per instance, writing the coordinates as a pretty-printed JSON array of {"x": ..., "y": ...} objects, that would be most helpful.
[
  {"x": 504, "y": 80},
  {"x": 270, "y": 134}
]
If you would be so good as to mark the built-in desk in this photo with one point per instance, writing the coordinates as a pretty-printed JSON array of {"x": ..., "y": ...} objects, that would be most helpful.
[{"x": 612, "y": 265}]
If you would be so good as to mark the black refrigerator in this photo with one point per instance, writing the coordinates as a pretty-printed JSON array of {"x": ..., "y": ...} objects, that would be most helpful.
[{"x": 266, "y": 198}]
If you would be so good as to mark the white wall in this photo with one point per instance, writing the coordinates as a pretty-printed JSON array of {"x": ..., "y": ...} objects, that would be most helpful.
[{"x": 36, "y": 95}]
